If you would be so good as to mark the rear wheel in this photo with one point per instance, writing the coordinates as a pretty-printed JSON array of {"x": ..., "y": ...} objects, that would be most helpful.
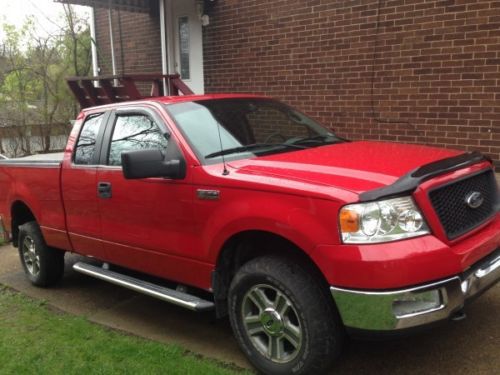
[
  {"x": 43, "y": 265},
  {"x": 282, "y": 320}
]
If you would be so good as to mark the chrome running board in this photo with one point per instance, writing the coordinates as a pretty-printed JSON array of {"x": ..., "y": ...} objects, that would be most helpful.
[{"x": 175, "y": 297}]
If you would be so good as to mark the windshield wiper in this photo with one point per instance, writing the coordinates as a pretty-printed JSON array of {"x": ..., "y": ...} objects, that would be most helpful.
[
  {"x": 251, "y": 147},
  {"x": 322, "y": 139}
]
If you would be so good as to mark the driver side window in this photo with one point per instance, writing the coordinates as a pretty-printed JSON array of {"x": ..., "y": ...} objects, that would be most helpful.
[{"x": 134, "y": 132}]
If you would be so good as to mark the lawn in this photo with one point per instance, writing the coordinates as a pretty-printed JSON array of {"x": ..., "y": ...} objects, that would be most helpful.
[{"x": 37, "y": 339}]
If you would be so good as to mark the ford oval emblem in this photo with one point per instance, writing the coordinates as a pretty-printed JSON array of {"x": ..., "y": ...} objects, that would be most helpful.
[{"x": 474, "y": 199}]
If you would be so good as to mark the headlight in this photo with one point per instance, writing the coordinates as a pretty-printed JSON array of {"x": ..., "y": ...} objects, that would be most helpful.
[{"x": 383, "y": 221}]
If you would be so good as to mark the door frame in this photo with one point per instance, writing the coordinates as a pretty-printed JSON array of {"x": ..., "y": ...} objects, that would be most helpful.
[{"x": 172, "y": 43}]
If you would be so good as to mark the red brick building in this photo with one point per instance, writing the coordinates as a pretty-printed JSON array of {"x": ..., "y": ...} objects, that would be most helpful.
[{"x": 419, "y": 71}]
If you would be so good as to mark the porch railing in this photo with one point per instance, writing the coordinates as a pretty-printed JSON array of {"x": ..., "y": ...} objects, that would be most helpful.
[{"x": 92, "y": 91}]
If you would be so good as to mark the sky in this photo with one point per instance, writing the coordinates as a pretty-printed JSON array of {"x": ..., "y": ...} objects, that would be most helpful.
[{"x": 46, "y": 14}]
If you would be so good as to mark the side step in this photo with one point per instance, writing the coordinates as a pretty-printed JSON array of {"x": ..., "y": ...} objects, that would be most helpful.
[{"x": 175, "y": 297}]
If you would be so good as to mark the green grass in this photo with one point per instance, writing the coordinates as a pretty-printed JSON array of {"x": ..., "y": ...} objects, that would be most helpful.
[{"x": 35, "y": 339}]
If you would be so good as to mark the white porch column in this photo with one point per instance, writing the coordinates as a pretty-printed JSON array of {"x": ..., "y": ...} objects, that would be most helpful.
[
  {"x": 95, "y": 63},
  {"x": 163, "y": 36}
]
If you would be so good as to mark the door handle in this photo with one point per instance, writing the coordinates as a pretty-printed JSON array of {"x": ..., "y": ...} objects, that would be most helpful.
[{"x": 104, "y": 190}]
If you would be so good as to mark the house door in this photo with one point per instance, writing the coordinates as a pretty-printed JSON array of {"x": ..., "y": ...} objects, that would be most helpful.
[{"x": 187, "y": 45}]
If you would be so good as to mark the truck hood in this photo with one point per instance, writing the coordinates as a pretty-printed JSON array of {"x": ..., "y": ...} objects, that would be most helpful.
[{"x": 353, "y": 166}]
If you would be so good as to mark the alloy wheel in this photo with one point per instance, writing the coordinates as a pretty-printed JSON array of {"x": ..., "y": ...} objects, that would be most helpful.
[
  {"x": 31, "y": 256},
  {"x": 271, "y": 323}
]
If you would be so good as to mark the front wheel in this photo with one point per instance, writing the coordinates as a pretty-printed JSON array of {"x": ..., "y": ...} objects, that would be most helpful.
[
  {"x": 43, "y": 265},
  {"x": 282, "y": 320}
]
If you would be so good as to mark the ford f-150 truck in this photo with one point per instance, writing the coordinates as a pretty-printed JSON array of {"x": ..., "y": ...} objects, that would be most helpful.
[{"x": 252, "y": 209}]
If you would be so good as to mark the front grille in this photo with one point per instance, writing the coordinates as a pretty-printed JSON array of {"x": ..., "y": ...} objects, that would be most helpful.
[{"x": 450, "y": 203}]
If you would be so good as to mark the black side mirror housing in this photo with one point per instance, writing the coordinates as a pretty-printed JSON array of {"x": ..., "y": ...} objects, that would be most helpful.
[{"x": 152, "y": 163}]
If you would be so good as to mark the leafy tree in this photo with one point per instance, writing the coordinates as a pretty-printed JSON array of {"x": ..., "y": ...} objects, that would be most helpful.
[{"x": 35, "y": 102}]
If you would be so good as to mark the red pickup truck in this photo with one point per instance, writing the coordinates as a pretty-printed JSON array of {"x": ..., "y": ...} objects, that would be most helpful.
[{"x": 254, "y": 210}]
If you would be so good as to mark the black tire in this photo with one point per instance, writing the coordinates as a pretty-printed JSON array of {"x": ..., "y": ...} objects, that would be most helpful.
[
  {"x": 43, "y": 265},
  {"x": 312, "y": 314}
]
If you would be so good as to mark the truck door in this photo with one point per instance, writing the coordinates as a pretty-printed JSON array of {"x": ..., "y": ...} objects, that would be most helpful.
[
  {"x": 144, "y": 222},
  {"x": 78, "y": 183}
]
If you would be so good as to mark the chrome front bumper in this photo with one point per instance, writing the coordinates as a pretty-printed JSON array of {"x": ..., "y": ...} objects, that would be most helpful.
[{"x": 418, "y": 306}]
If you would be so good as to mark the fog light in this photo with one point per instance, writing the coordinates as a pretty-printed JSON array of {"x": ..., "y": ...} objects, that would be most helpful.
[{"x": 416, "y": 303}]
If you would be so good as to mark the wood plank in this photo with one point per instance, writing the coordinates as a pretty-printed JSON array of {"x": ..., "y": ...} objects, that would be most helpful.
[
  {"x": 184, "y": 89},
  {"x": 90, "y": 91},
  {"x": 108, "y": 90},
  {"x": 79, "y": 94},
  {"x": 131, "y": 89},
  {"x": 89, "y": 95}
]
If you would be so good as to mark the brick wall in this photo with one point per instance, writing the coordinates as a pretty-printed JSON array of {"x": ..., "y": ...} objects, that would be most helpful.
[
  {"x": 417, "y": 71},
  {"x": 136, "y": 38}
]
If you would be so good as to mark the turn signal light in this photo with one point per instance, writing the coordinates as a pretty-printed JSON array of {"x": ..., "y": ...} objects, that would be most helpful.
[{"x": 349, "y": 221}]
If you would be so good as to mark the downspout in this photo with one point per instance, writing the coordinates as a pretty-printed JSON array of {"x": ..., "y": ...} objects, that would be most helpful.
[
  {"x": 93, "y": 46},
  {"x": 163, "y": 36},
  {"x": 112, "y": 43}
]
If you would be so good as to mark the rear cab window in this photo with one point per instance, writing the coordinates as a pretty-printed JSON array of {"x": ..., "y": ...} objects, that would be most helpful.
[{"x": 85, "y": 150}]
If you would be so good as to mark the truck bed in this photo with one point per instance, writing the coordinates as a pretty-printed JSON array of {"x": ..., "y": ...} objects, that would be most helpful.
[{"x": 34, "y": 181}]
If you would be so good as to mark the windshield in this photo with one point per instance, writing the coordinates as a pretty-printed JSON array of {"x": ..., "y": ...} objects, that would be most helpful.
[{"x": 243, "y": 128}]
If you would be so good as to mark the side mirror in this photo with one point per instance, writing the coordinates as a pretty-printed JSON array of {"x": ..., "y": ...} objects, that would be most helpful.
[{"x": 152, "y": 163}]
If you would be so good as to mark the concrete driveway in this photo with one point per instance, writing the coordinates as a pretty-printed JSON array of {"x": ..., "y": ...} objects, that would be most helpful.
[{"x": 468, "y": 347}]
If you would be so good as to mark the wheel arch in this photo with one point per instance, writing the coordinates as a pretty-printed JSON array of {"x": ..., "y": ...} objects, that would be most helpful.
[
  {"x": 246, "y": 245},
  {"x": 20, "y": 213}
]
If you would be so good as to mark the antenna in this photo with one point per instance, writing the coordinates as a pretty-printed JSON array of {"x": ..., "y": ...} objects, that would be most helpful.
[{"x": 225, "y": 172}]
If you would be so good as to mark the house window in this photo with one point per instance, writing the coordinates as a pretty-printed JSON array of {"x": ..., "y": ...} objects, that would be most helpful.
[{"x": 184, "y": 47}]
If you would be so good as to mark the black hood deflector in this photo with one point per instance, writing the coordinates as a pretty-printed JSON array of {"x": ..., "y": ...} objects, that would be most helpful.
[{"x": 410, "y": 181}]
